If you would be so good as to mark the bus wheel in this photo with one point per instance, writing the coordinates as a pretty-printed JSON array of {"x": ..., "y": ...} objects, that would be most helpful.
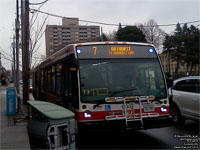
[{"x": 175, "y": 112}]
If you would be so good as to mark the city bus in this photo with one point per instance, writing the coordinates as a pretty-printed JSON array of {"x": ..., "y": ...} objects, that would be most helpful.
[{"x": 108, "y": 85}]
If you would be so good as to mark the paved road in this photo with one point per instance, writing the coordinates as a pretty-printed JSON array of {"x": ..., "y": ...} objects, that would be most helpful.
[
  {"x": 186, "y": 136},
  {"x": 174, "y": 137}
]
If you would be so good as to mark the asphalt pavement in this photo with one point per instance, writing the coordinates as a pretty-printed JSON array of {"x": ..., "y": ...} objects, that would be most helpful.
[
  {"x": 14, "y": 136},
  {"x": 13, "y": 131},
  {"x": 181, "y": 137}
]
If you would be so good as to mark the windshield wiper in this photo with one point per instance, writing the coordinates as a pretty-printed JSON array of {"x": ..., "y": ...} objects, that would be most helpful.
[
  {"x": 158, "y": 100},
  {"x": 116, "y": 92},
  {"x": 112, "y": 93},
  {"x": 99, "y": 103}
]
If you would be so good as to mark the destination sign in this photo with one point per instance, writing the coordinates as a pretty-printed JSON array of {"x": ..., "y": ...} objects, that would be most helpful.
[
  {"x": 115, "y": 51},
  {"x": 120, "y": 50}
]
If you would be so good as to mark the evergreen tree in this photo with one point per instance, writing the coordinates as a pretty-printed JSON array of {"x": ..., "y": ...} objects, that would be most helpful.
[
  {"x": 130, "y": 34},
  {"x": 178, "y": 29},
  {"x": 120, "y": 26},
  {"x": 184, "y": 46}
]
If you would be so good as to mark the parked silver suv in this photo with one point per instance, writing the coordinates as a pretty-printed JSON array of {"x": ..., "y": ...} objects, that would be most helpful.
[{"x": 185, "y": 95}]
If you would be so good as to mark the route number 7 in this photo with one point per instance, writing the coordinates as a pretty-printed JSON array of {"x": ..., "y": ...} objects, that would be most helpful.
[{"x": 95, "y": 50}]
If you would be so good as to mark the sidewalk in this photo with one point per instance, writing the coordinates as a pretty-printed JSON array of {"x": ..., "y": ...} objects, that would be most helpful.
[{"x": 12, "y": 135}]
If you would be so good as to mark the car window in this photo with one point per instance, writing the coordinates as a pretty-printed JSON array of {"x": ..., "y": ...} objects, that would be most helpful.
[{"x": 189, "y": 85}]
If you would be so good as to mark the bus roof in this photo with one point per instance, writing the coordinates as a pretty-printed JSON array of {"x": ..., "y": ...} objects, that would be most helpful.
[{"x": 112, "y": 42}]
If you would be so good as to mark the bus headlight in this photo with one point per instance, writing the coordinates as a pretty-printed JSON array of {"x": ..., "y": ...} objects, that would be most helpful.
[
  {"x": 78, "y": 51},
  {"x": 163, "y": 109},
  {"x": 87, "y": 114}
]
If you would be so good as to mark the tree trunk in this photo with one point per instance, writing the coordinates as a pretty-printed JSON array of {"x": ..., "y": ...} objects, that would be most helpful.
[
  {"x": 177, "y": 68},
  {"x": 192, "y": 65}
]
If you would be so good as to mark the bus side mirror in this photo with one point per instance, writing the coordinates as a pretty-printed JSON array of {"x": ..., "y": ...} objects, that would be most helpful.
[{"x": 74, "y": 64}]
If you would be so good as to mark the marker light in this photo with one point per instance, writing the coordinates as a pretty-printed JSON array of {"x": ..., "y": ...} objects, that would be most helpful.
[
  {"x": 78, "y": 51},
  {"x": 165, "y": 101},
  {"x": 87, "y": 114},
  {"x": 84, "y": 106},
  {"x": 151, "y": 50},
  {"x": 163, "y": 109}
]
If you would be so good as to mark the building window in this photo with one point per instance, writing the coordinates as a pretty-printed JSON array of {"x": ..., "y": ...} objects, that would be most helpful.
[
  {"x": 66, "y": 28},
  {"x": 82, "y": 28}
]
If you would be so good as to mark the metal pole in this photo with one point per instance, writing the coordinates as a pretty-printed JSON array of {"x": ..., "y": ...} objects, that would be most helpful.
[
  {"x": 22, "y": 37},
  {"x": 101, "y": 34},
  {"x": 14, "y": 62},
  {"x": 17, "y": 46}
]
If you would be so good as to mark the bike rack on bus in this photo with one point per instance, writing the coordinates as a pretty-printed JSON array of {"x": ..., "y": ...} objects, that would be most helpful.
[{"x": 130, "y": 115}]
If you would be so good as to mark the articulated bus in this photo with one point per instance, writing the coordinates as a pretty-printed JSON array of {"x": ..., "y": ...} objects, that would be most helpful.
[{"x": 108, "y": 85}]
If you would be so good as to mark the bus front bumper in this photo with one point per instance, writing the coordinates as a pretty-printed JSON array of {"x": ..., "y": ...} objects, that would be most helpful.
[{"x": 146, "y": 123}]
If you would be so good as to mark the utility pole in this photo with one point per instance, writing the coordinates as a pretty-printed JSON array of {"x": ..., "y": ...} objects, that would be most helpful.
[
  {"x": 17, "y": 27},
  {"x": 101, "y": 34},
  {"x": 25, "y": 48},
  {"x": 14, "y": 62}
]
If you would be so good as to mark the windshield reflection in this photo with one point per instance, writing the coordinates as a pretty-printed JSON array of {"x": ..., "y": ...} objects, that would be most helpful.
[{"x": 120, "y": 78}]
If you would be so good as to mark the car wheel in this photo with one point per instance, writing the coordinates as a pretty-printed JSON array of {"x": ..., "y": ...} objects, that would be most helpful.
[{"x": 175, "y": 112}]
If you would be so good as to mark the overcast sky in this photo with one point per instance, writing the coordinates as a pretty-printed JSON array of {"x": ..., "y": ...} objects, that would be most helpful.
[{"x": 128, "y": 12}]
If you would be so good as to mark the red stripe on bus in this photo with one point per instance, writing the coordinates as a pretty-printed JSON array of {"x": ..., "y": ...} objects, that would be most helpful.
[{"x": 100, "y": 115}]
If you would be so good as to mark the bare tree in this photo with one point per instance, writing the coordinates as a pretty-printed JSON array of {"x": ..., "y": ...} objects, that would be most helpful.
[
  {"x": 153, "y": 34},
  {"x": 111, "y": 35},
  {"x": 37, "y": 29},
  {"x": 37, "y": 59}
]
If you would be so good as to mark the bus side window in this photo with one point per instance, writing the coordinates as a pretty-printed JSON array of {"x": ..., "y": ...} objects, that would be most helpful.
[
  {"x": 66, "y": 86},
  {"x": 63, "y": 80},
  {"x": 70, "y": 84},
  {"x": 46, "y": 80},
  {"x": 58, "y": 79},
  {"x": 73, "y": 89},
  {"x": 49, "y": 79},
  {"x": 53, "y": 79}
]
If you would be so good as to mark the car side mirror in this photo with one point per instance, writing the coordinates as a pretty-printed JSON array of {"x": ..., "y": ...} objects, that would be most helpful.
[{"x": 169, "y": 82}]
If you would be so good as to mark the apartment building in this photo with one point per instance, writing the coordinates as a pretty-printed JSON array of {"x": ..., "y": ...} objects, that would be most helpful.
[{"x": 58, "y": 36}]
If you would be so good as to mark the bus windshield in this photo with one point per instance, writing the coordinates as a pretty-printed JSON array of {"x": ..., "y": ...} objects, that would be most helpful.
[{"x": 120, "y": 78}]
